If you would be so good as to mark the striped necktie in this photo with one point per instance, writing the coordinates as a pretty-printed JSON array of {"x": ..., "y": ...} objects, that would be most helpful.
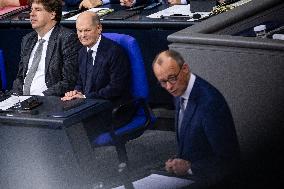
[
  {"x": 89, "y": 72},
  {"x": 32, "y": 71},
  {"x": 181, "y": 112}
]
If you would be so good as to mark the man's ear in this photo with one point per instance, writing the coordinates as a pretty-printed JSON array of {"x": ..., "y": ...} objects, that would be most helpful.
[
  {"x": 53, "y": 15},
  {"x": 186, "y": 67},
  {"x": 100, "y": 29}
]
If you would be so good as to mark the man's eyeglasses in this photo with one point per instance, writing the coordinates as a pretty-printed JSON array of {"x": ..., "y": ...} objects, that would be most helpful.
[{"x": 171, "y": 79}]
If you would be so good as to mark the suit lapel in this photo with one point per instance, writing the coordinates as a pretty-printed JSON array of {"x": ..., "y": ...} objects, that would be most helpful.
[
  {"x": 50, "y": 47},
  {"x": 100, "y": 56},
  {"x": 188, "y": 114},
  {"x": 84, "y": 67}
]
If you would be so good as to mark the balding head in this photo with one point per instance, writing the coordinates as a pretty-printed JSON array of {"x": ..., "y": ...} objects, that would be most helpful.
[
  {"x": 89, "y": 16},
  {"x": 169, "y": 54},
  {"x": 88, "y": 28}
]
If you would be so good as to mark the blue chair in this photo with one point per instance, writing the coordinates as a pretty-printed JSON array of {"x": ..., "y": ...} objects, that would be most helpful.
[
  {"x": 143, "y": 117},
  {"x": 2, "y": 72}
]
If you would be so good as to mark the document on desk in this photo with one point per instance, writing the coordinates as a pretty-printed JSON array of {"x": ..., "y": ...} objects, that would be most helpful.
[
  {"x": 155, "y": 181},
  {"x": 176, "y": 11},
  {"x": 99, "y": 11},
  {"x": 11, "y": 101}
]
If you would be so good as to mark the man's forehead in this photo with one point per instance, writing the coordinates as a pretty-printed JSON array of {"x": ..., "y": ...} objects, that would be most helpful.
[
  {"x": 37, "y": 4},
  {"x": 166, "y": 69},
  {"x": 167, "y": 63}
]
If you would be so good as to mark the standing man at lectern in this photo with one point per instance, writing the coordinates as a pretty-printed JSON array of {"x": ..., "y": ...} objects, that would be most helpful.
[
  {"x": 208, "y": 148},
  {"x": 48, "y": 64}
]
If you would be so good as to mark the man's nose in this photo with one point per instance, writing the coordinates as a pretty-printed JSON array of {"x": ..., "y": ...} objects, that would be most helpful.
[
  {"x": 83, "y": 34},
  {"x": 31, "y": 13},
  {"x": 169, "y": 86}
]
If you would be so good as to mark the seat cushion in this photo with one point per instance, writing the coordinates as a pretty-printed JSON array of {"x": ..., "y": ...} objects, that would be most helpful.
[{"x": 105, "y": 138}]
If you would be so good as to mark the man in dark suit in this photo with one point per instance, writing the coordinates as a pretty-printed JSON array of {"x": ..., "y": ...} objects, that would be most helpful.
[
  {"x": 49, "y": 55},
  {"x": 208, "y": 148},
  {"x": 104, "y": 69},
  {"x": 109, "y": 73}
]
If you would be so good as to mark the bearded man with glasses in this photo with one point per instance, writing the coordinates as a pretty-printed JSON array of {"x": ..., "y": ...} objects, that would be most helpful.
[{"x": 208, "y": 148}]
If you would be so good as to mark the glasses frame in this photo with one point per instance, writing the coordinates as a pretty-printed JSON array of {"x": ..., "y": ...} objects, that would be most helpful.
[{"x": 171, "y": 79}]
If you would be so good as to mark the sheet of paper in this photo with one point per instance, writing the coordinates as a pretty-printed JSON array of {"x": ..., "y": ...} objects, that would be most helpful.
[
  {"x": 155, "y": 181},
  {"x": 11, "y": 101},
  {"x": 64, "y": 12},
  {"x": 99, "y": 11},
  {"x": 178, "y": 9}
]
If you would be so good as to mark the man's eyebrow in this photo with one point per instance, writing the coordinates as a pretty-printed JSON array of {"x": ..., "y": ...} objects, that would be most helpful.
[{"x": 169, "y": 76}]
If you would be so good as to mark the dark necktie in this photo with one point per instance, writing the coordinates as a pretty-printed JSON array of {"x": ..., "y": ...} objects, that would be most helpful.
[
  {"x": 181, "y": 112},
  {"x": 32, "y": 71},
  {"x": 89, "y": 72}
]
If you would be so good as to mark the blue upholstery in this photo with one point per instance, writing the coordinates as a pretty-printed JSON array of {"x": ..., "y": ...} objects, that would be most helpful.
[
  {"x": 2, "y": 71},
  {"x": 139, "y": 90},
  {"x": 106, "y": 138},
  {"x": 139, "y": 85}
]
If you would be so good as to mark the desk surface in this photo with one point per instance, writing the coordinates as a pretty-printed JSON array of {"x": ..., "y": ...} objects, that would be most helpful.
[{"x": 53, "y": 105}]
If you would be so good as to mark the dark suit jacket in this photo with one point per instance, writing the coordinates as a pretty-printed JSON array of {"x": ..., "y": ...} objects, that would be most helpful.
[
  {"x": 61, "y": 67},
  {"x": 111, "y": 75},
  {"x": 207, "y": 137}
]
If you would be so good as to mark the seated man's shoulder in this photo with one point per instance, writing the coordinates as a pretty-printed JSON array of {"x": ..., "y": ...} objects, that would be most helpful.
[
  {"x": 114, "y": 46},
  {"x": 30, "y": 35},
  {"x": 63, "y": 31},
  {"x": 209, "y": 93}
]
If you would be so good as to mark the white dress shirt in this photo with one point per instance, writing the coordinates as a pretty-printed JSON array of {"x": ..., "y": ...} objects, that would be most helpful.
[
  {"x": 187, "y": 92},
  {"x": 95, "y": 48}
]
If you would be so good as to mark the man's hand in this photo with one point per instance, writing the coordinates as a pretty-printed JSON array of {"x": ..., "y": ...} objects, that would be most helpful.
[
  {"x": 90, "y": 3},
  {"x": 71, "y": 95},
  {"x": 127, "y": 3},
  {"x": 174, "y": 2},
  {"x": 178, "y": 166}
]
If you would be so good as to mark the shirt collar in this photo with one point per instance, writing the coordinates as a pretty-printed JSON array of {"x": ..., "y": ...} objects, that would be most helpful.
[
  {"x": 47, "y": 35},
  {"x": 95, "y": 47},
  {"x": 188, "y": 90}
]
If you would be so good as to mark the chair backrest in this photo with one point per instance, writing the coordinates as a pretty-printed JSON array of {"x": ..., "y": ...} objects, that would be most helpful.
[
  {"x": 139, "y": 83},
  {"x": 2, "y": 71}
]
